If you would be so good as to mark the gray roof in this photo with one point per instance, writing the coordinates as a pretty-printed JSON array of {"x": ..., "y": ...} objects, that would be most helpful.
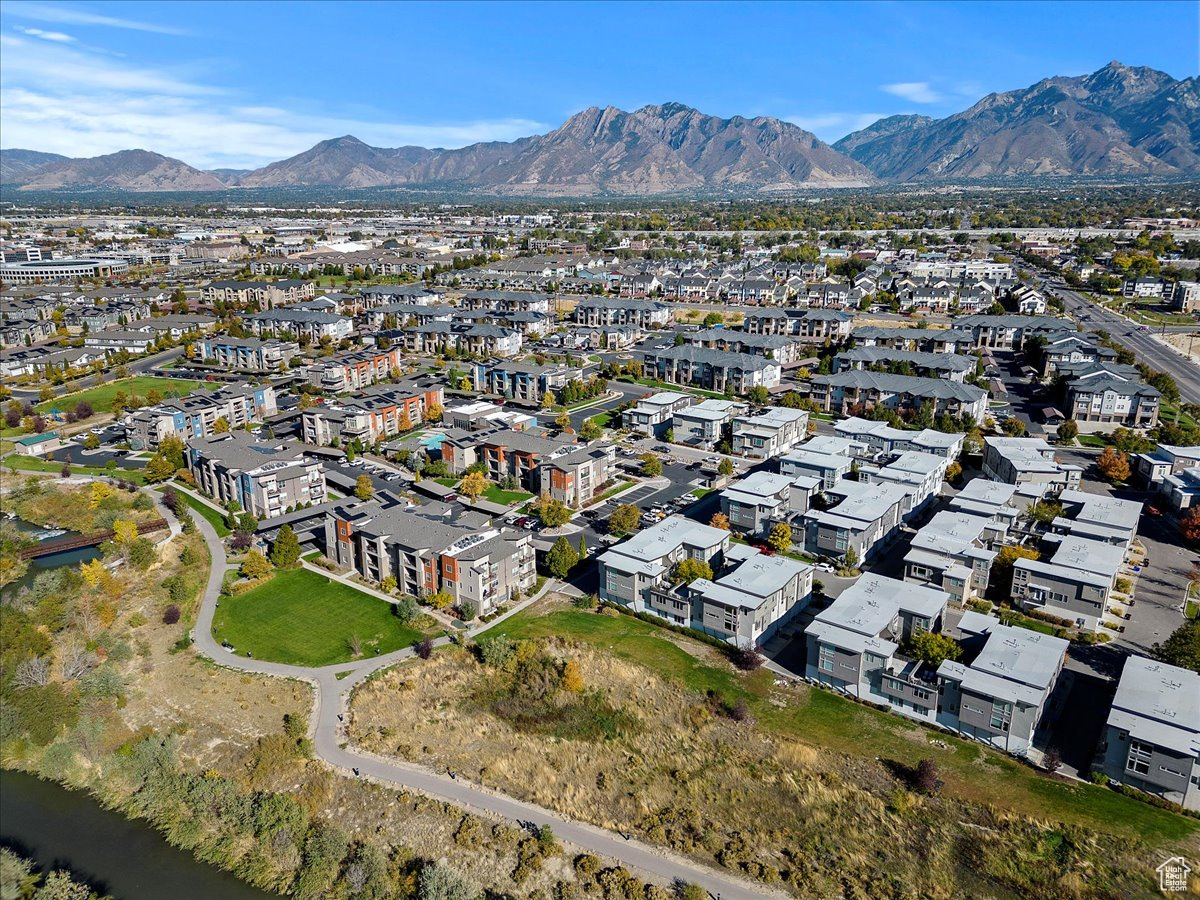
[
  {"x": 870, "y": 605},
  {"x": 707, "y": 355},
  {"x": 949, "y": 362},
  {"x": 938, "y": 388},
  {"x": 1160, "y": 704}
]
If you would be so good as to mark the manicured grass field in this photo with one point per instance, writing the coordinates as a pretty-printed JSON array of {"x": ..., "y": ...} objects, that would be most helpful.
[
  {"x": 303, "y": 618},
  {"x": 494, "y": 492},
  {"x": 214, "y": 518},
  {"x": 101, "y": 396},
  {"x": 824, "y": 719},
  {"x": 37, "y": 464}
]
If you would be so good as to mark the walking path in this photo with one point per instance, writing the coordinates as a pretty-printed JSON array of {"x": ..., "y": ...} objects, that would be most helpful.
[{"x": 331, "y": 743}]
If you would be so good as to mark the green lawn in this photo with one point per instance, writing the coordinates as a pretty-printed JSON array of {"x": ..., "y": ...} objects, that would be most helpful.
[
  {"x": 650, "y": 382},
  {"x": 37, "y": 464},
  {"x": 972, "y": 773},
  {"x": 1091, "y": 440},
  {"x": 303, "y": 618},
  {"x": 214, "y": 518},
  {"x": 494, "y": 492},
  {"x": 101, "y": 396}
]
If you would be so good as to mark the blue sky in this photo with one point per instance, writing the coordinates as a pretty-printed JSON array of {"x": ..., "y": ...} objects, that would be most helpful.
[{"x": 241, "y": 84}]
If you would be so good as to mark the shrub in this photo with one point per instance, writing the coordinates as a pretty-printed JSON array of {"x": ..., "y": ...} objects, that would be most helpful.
[
  {"x": 746, "y": 658},
  {"x": 495, "y": 650},
  {"x": 925, "y": 778},
  {"x": 1100, "y": 778},
  {"x": 468, "y": 610},
  {"x": 406, "y": 610},
  {"x": 424, "y": 648},
  {"x": 171, "y": 615}
]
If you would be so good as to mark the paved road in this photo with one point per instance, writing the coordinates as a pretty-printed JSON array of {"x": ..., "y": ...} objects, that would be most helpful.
[
  {"x": 1148, "y": 349},
  {"x": 331, "y": 743},
  {"x": 137, "y": 367}
]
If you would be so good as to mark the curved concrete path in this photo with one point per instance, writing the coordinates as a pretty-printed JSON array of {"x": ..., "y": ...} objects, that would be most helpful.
[{"x": 331, "y": 743}]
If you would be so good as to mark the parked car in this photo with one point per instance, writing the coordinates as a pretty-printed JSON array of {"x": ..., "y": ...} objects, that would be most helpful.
[
  {"x": 689, "y": 498},
  {"x": 661, "y": 448}
]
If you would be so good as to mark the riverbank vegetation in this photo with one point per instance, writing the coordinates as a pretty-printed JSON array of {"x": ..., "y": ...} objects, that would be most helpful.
[
  {"x": 794, "y": 786},
  {"x": 101, "y": 690},
  {"x": 21, "y": 880}
]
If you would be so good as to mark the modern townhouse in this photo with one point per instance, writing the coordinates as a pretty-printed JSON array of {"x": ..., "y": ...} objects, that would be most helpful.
[
  {"x": 755, "y": 503},
  {"x": 949, "y": 366},
  {"x": 1152, "y": 737},
  {"x": 1022, "y": 461},
  {"x": 878, "y": 437},
  {"x": 1187, "y": 296},
  {"x": 372, "y": 414},
  {"x": 477, "y": 340},
  {"x": 264, "y": 477},
  {"x": 605, "y": 311},
  {"x": 745, "y": 604},
  {"x": 998, "y": 503},
  {"x": 769, "y": 433},
  {"x": 1103, "y": 399},
  {"x": 247, "y": 354},
  {"x": 1142, "y": 288},
  {"x": 809, "y": 325},
  {"x": 1073, "y": 579},
  {"x": 355, "y": 369},
  {"x": 1156, "y": 468},
  {"x": 640, "y": 284},
  {"x": 784, "y": 349},
  {"x": 629, "y": 571},
  {"x": 920, "y": 474},
  {"x": 712, "y": 370},
  {"x": 854, "y": 645},
  {"x": 1098, "y": 517},
  {"x": 830, "y": 295},
  {"x": 1002, "y": 696},
  {"x": 579, "y": 476},
  {"x": 469, "y": 560},
  {"x": 953, "y": 552},
  {"x": 703, "y": 424},
  {"x": 266, "y": 294},
  {"x": 654, "y": 414},
  {"x": 827, "y": 459},
  {"x": 863, "y": 518},
  {"x": 847, "y": 393},
  {"x": 1009, "y": 332},
  {"x": 304, "y": 324},
  {"x": 197, "y": 414},
  {"x": 523, "y": 382}
]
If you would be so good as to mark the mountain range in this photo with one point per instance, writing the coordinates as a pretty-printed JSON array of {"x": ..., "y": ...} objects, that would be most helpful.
[{"x": 1119, "y": 121}]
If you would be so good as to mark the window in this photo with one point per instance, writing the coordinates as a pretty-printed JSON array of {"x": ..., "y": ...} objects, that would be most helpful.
[
  {"x": 919, "y": 624},
  {"x": 826, "y": 660},
  {"x": 921, "y": 694},
  {"x": 1001, "y": 715},
  {"x": 1139, "y": 758}
]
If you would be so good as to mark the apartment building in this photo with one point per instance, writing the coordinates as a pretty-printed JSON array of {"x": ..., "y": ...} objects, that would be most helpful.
[
  {"x": 754, "y": 503},
  {"x": 1002, "y": 696},
  {"x": 197, "y": 414},
  {"x": 600, "y": 311},
  {"x": 355, "y": 369},
  {"x": 266, "y": 294},
  {"x": 784, "y": 349},
  {"x": 854, "y": 644},
  {"x": 655, "y": 413},
  {"x": 1072, "y": 579},
  {"x": 577, "y": 477},
  {"x": 468, "y": 559},
  {"x": 304, "y": 324},
  {"x": 1009, "y": 332},
  {"x": 828, "y": 459},
  {"x": 1152, "y": 737},
  {"x": 949, "y": 366},
  {"x": 508, "y": 301},
  {"x": 505, "y": 454},
  {"x": 247, "y": 354},
  {"x": 809, "y": 325},
  {"x": 265, "y": 477},
  {"x": 702, "y": 424},
  {"x": 879, "y": 437},
  {"x": 848, "y": 393},
  {"x": 911, "y": 340},
  {"x": 1103, "y": 399},
  {"x": 769, "y": 433},
  {"x": 373, "y": 413},
  {"x": 520, "y": 381},
  {"x": 711, "y": 370}
]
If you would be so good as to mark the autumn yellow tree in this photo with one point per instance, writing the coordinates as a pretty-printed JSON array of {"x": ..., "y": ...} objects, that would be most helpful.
[
  {"x": 719, "y": 520},
  {"x": 433, "y": 412},
  {"x": 100, "y": 493},
  {"x": 404, "y": 422},
  {"x": 125, "y": 533},
  {"x": 1113, "y": 465},
  {"x": 92, "y": 572},
  {"x": 473, "y": 484},
  {"x": 572, "y": 677},
  {"x": 221, "y": 426}
]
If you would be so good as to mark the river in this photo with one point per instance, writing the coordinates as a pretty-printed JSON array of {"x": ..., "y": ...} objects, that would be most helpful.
[
  {"x": 42, "y": 563},
  {"x": 126, "y": 858}
]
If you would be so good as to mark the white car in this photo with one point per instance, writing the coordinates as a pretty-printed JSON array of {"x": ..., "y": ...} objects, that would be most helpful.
[
  {"x": 824, "y": 567},
  {"x": 689, "y": 498}
]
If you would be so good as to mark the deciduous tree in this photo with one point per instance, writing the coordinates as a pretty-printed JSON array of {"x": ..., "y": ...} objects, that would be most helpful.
[
  {"x": 780, "y": 538},
  {"x": 720, "y": 520},
  {"x": 363, "y": 488},
  {"x": 1113, "y": 465},
  {"x": 562, "y": 558},
  {"x": 623, "y": 519}
]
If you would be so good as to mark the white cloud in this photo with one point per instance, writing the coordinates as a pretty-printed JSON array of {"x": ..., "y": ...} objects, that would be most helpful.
[
  {"x": 59, "y": 99},
  {"x": 67, "y": 16},
  {"x": 914, "y": 91},
  {"x": 56, "y": 36},
  {"x": 830, "y": 127}
]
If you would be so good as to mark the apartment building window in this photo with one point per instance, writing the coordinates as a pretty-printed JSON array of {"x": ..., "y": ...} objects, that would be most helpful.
[
  {"x": 826, "y": 659},
  {"x": 1171, "y": 771},
  {"x": 1139, "y": 758},
  {"x": 921, "y": 694},
  {"x": 1001, "y": 716},
  {"x": 919, "y": 624}
]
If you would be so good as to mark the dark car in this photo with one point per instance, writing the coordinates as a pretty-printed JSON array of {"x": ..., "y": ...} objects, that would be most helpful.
[{"x": 661, "y": 448}]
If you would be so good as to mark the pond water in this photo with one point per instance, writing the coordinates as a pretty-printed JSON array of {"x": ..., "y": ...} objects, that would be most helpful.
[{"x": 126, "y": 858}]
